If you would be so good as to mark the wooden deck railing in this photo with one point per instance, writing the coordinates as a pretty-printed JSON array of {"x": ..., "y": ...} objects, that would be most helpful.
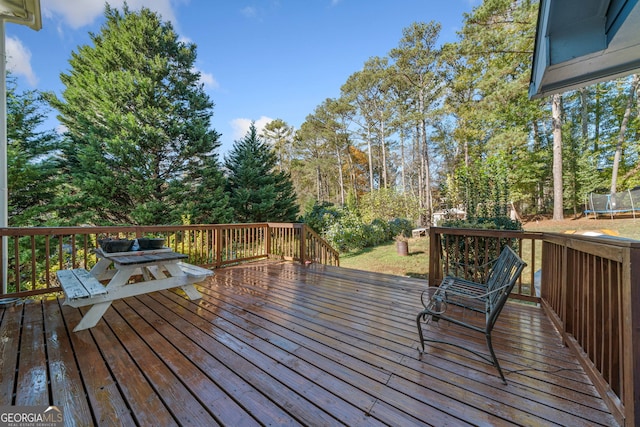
[
  {"x": 589, "y": 287},
  {"x": 460, "y": 251},
  {"x": 35, "y": 254}
]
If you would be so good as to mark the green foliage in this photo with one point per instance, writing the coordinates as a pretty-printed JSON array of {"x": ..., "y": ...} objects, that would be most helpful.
[
  {"x": 32, "y": 166},
  {"x": 139, "y": 148},
  {"x": 320, "y": 216},
  {"x": 258, "y": 192},
  {"x": 350, "y": 232},
  {"x": 387, "y": 204},
  {"x": 484, "y": 186},
  {"x": 400, "y": 227},
  {"x": 484, "y": 223}
]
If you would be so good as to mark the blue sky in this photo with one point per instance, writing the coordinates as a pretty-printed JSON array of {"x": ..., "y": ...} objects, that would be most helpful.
[{"x": 260, "y": 59}]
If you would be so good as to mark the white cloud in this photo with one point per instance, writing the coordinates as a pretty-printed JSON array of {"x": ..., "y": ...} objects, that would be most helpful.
[
  {"x": 241, "y": 126},
  {"x": 78, "y": 14},
  {"x": 249, "y": 12},
  {"x": 61, "y": 129},
  {"x": 19, "y": 60},
  {"x": 207, "y": 79}
]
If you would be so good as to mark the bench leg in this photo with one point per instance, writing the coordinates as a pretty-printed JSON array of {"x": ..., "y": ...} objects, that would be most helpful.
[
  {"x": 93, "y": 316},
  {"x": 190, "y": 290},
  {"x": 421, "y": 316},
  {"x": 495, "y": 359}
]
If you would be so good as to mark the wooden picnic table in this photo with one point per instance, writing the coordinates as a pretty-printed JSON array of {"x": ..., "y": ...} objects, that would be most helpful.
[{"x": 160, "y": 269}]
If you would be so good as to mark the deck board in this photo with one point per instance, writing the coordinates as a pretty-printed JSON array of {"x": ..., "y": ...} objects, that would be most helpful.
[{"x": 276, "y": 343}]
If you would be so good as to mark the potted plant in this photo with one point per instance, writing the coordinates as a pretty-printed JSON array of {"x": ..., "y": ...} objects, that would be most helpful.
[
  {"x": 402, "y": 245},
  {"x": 150, "y": 242},
  {"x": 115, "y": 245}
]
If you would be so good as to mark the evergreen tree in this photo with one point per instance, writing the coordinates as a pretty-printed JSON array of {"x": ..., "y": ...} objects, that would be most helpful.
[
  {"x": 32, "y": 170},
  {"x": 138, "y": 143},
  {"x": 258, "y": 192}
]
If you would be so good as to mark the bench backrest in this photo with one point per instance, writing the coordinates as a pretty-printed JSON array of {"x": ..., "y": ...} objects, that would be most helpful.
[{"x": 502, "y": 278}]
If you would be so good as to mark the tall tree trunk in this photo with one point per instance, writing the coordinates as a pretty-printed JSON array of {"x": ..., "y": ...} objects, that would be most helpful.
[
  {"x": 383, "y": 147},
  {"x": 556, "y": 113},
  {"x": 425, "y": 161},
  {"x": 318, "y": 184},
  {"x": 427, "y": 174},
  {"x": 584, "y": 112},
  {"x": 539, "y": 190},
  {"x": 421, "y": 187},
  {"x": 623, "y": 130},
  {"x": 596, "y": 119},
  {"x": 353, "y": 185},
  {"x": 370, "y": 159},
  {"x": 340, "y": 175},
  {"x": 402, "y": 162}
]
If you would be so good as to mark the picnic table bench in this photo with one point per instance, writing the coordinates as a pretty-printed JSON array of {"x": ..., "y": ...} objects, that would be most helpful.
[
  {"x": 486, "y": 298},
  {"x": 160, "y": 269}
]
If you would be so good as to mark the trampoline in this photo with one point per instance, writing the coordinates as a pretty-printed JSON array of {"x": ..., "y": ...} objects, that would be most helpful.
[{"x": 615, "y": 203}]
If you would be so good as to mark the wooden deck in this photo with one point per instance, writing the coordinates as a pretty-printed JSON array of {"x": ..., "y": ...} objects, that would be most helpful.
[{"x": 281, "y": 344}]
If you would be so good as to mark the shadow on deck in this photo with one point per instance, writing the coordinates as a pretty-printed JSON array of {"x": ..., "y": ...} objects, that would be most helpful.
[{"x": 282, "y": 344}]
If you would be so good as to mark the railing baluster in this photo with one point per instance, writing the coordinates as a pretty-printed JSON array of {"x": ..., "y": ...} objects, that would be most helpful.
[
  {"x": 16, "y": 253},
  {"x": 33, "y": 263}
]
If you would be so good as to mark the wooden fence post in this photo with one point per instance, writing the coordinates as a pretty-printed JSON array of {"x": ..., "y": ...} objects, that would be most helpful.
[
  {"x": 435, "y": 255},
  {"x": 267, "y": 240},
  {"x": 303, "y": 244},
  {"x": 218, "y": 238},
  {"x": 631, "y": 360}
]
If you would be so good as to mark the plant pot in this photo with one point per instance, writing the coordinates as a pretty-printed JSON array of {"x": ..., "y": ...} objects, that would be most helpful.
[
  {"x": 150, "y": 243},
  {"x": 116, "y": 245},
  {"x": 403, "y": 248}
]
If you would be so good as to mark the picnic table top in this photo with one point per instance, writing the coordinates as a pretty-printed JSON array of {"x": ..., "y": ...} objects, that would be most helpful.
[{"x": 141, "y": 257}]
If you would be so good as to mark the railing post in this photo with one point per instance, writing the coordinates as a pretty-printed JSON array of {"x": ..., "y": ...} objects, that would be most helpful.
[
  {"x": 435, "y": 255},
  {"x": 631, "y": 361},
  {"x": 4, "y": 263},
  {"x": 218, "y": 237},
  {"x": 267, "y": 240},
  {"x": 567, "y": 287},
  {"x": 303, "y": 244}
]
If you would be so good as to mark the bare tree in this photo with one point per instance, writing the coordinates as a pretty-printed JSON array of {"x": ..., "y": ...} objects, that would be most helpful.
[
  {"x": 623, "y": 130},
  {"x": 556, "y": 113}
]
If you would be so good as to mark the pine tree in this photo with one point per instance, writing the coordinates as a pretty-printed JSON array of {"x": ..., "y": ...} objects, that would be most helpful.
[
  {"x": 258, "y": 192},
  {"x": 139, "y": 141},
  {"x": 32, "y": 171}
]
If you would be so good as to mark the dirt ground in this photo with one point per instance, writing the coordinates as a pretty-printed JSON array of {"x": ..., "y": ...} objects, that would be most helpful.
[{"x": 620, "y": 225}]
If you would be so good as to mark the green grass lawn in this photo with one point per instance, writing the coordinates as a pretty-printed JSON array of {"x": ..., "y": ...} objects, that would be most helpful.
[{"x": 385, "y": 259}]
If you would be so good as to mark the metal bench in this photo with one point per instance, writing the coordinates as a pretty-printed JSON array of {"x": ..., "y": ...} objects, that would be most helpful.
[{"x": 488, "y": 298}]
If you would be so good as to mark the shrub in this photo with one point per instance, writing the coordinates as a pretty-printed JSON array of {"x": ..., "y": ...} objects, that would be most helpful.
[
  {"x": 378, "y": 232},
  {"x": 492, "y": 223},
  {"x": 346, "y": 230},
  {"x": 386, "y": 204},
  {"x": 400, "y": 227},
  {"x": 350, "y": 232},
  {"x": 321, "y": 216}
]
